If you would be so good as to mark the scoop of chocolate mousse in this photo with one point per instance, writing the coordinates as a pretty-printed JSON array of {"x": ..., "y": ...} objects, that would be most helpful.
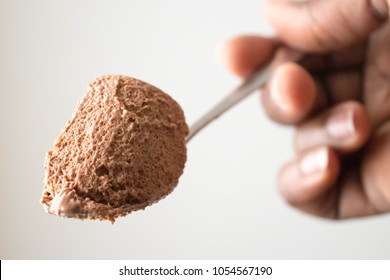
[{"x": 122, "y": 150}]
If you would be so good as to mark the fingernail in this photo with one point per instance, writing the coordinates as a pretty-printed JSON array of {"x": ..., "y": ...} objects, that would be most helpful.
[
  {"x": 277, "y": 96},
  {"x": 315, "y": 162},
  {"x": 341, "y": 125}
]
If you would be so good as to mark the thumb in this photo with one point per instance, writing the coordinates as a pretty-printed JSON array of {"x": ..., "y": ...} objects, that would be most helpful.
[{"x": 325, "y": 25}]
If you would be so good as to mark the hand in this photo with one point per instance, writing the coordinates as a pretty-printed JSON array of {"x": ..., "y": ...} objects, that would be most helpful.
[{"x": 338, "y": 99}]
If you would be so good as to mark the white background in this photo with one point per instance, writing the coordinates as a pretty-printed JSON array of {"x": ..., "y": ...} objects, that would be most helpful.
[{"x": 226, "y": 205}]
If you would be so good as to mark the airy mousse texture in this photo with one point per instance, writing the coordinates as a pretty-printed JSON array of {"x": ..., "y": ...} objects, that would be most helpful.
[{"x": 122, "y": 150}]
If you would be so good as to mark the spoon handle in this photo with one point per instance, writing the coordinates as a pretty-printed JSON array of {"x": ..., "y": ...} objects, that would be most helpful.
[
  {"x": 255, "y": 81},
  {"x": 250, "y": 85}
]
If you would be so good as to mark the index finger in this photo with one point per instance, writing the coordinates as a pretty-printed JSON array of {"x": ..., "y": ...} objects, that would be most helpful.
[{"x": 245, "y": 54}]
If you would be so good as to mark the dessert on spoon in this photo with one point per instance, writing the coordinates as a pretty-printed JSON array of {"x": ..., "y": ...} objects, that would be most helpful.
[{"x": 124, "y": 148}]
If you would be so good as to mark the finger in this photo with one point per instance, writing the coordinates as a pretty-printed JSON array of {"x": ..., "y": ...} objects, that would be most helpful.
[
  {"x": 375, "y": 169},
  {"x": 325, "y": 25},
  {"x": 243, "y": 55},
  {"x": 348, "y": 58},
  {"x": 291, "y": 94},
  {"x": 352, "y": 200},
  {"x": 344, "y": 85},
  {"x": 309, "y": 176},
  {"x": 377, "y": 77},
  {"x": 345, "y": 127}
]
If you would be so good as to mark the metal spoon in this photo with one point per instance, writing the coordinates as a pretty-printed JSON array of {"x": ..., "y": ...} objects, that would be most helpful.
[
  {"x": 256, "y": 81},
  {"x": 250, "y": 85}
]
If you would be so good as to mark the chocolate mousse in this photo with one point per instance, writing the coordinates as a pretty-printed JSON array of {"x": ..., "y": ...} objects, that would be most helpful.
[{"x": 122, "y": 150}]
